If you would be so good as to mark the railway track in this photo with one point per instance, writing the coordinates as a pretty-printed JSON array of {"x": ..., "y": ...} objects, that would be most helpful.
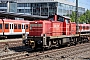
[
  {"x": 11, "y": 43},
  {"x": 13, "y": 56},
  {"x": 61, "y": 53},
  {"x": 55, "y": 54}
]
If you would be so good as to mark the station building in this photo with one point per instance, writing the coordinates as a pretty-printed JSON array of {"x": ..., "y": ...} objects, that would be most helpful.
[{"x": 40, "y": 7}]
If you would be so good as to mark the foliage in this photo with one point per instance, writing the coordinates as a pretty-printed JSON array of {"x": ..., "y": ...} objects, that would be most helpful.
[
  {"x": 72, "y": 16},
  {"x": 84, "y": 18}
]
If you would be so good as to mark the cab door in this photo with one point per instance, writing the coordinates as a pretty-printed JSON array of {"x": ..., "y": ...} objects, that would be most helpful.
[{"x": 11, "y": 28}]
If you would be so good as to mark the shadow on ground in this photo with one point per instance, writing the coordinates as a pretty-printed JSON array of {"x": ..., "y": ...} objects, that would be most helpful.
[{"x": 21, "y": 49}]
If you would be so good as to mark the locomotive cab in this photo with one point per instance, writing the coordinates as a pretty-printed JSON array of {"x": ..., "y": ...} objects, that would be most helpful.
[{"x": 67, "y": 24}]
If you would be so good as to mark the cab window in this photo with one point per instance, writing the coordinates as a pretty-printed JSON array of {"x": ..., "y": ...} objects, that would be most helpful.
[
  {"x": 51, "y": 17},
  {"x": 0, "y": 26},
  {"x": 67, "y": 20},
  {"x": 61, "y": 19},
  {"x": 6, "y": 26}
]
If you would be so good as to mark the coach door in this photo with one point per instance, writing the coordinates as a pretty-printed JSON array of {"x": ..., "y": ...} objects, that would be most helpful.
[
  {"x": 11, "y": 28},
  {"x": 23, "y": 28}
]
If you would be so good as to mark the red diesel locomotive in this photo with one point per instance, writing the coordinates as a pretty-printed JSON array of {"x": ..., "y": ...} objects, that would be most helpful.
[{"x": 54, "y": 32}]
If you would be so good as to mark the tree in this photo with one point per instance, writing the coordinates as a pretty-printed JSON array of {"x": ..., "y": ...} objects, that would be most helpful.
[
  {"x": 87, "y": 16},
  {"x": 84, "y": 18},
  {"x": 72, "y": 16}
]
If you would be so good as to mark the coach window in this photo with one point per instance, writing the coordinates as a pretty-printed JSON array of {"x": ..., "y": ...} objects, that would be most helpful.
[
  {"x": 10, "y": 26},
  {"x": 22, "y": 26},
  {"x": 87, "y": 27},
  {"x": 15, "y": 26},
  {"x": 26, "y": 26},
  {"x": 0, "y": 26},
  {"x": 6, "y": 26},
  {"x": 19, "y": 26},
  {"x": 83, "y": 27}
]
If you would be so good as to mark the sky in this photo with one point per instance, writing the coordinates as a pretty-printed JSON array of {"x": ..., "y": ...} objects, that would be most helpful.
[{"x": 83, "y": 3}]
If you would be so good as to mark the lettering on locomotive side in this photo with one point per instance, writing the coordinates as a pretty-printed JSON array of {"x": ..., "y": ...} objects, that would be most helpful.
[{"x": 57, "y": 27}]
